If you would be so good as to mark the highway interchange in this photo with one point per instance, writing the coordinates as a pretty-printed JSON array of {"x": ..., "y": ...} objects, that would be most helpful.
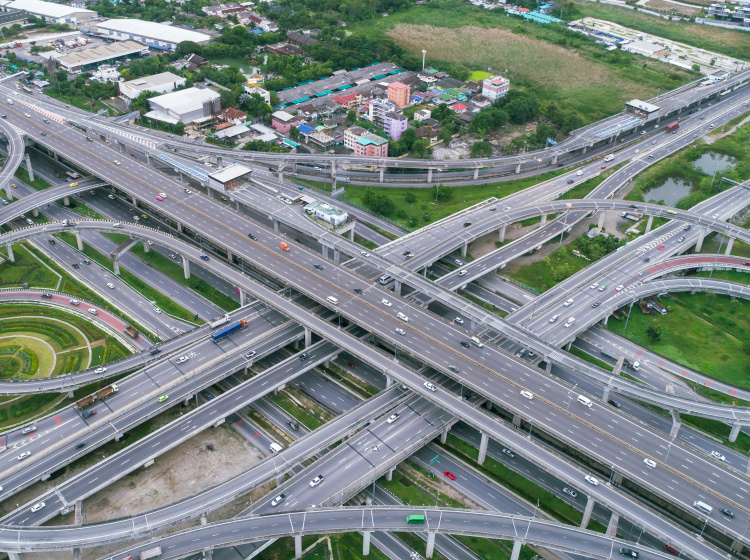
[{"x": 441, "y": 351}]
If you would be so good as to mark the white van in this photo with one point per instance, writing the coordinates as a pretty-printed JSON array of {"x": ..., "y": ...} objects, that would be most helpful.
[
  {"x": 332, "y": 300},
  {"x": 609, "y": 157},
  {"x": 10, "y": 101},
  {"x": 702, "y": 506},
  {"x": 275, "y": 447},
  {"x": 585, "y": 401},
  {"x": 636, "y": 365},
  {"x": 569, "y": 322},
  {"x": 385, "y": 279},
  {"x": 476, "y": 342}
]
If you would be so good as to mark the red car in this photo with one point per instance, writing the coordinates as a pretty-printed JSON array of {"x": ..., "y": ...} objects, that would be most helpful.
[
  {"x": 660, "y": 247},
  {"x": 159, "y": 198},
  {"x": 746, "y": 263},
  {"x": 671, "y": 549},
  {"x": 604, "y": 167},
  {"x": 450, "y": 475},
  {"x": 351, "y": 365}
]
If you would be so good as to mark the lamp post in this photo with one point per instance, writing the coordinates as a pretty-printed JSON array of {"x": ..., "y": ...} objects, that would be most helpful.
[{"x": 374, "y": 472}]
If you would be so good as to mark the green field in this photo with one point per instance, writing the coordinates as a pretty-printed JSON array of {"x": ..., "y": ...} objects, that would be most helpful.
[{"x": 478, "y": 75}]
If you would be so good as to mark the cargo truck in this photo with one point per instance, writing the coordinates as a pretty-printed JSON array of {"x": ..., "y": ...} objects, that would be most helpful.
[
  {"x": 131, "y": 331},
  {"x": 150, "y": 553},
  {"x": 100, "y": 394},
  {"x": 218, "y": 322},
  {"x": 631, "y": 216},
  {"x": 673, "y": 126},
  {"x": 229, "y": 329}
]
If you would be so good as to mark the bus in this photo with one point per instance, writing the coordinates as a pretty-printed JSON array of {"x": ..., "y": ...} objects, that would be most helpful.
[
  {"x": 70, "y": 175},
  {"x": 416, "y": 519}
]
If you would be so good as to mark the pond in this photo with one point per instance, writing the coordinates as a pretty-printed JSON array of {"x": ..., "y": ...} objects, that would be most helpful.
[
  {"x": 712, "y": 162},
  {"x": 244, "y": 67},
  {"x": 670, "y": 191}
]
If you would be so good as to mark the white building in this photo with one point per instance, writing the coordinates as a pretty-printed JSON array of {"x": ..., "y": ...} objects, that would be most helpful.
[
  {"x": 158, "y": 83},
  {"x": 265, "y": 94},
  {"x": 184, "y": 106},
  {"x": 228, "y": 178},
  {"x": 106, "y": 74},
  {"x": 155, "y": 35},
  {"x": 495, "y": 87},
  {"x": 51, "y": 11},
  {"x": 327, "y": 212}
]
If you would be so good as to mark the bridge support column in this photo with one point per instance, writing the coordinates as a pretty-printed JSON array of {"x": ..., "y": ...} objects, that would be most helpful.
[
  {"x": 518, "y": 167},
  {"x": 76, "y": 554},
  {"x": 736, "y": 546},
  {"x": 276, "y": 225},
  {"x": 554, "y": 159},
  {"x": 483, "y": 448},
  {"x": 547, "y": 364},
  {"x": 389, "y": 474},
  {"x": 148, "y": 159},
  {"x": 28, "y": 168},
  {"x": 336, "y": 255},
  {"x": 351, "y": 234},
  {"x": 182, "y": 177},
  {"x": 600, "y": 224},
  {"x": 517, "y": 420},
  {"x": 366, "y": 542},
  {"x": 308, "y": 338},
  {"x": 501, "y": 235},
  {"x": 606, "y": 318},
  {"x": 11, "y": 258},
  {"x": 464, "y": 248},
  {"x": 587, "y": 512},
  {"x": 585, "y": 148},
  {"x": 388, "y": 381},
  {"x": 66, "y": 201},
  {"x": 243, "y": 298},
  {"x": 676, "y": 423},
  {"x": 281, "y": 175},
  {"x": 219, "y": 161},
  {"x": 134, "y": 201},
  {"x": 35, "y": 212},
  {"x": 429, "y": 174},
  {"x": 116, "y": 265},
  {"x": 146, "y": 247},
  {"x": 444, "y": 435},
  {"x": 516, "y": 553},
  {"x": 476, "y": 173},
  {"x": 570, "y": 343},
  {"x": 13, "y": 556},
  {"x": 208, "y": 554},
  {"x": 734, "y": 433},
  {"x": 699, "y": 243},
  {"x": 298, "y": 546},
  {"x": 397, "y": 287},
  {"x": 544, "y": 220},
  {"x": 730, "y": 244},
  {"x": 8, "y": 192},
  {"x": 186, "y": 268},
  {"x": 178, "y": 227},
  {"x": 430, "y": 544},
  {"x": 382, "y": 174},
  {"x": 614, "y": 520},
  {"x": 649, "y": 223}
]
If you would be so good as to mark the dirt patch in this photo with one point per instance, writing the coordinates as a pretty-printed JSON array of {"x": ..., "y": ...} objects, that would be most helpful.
[{"x": 671, "y": 6}]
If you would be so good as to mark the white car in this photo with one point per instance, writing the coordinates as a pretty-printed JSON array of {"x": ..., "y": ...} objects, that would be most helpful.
[
  {"x": 620, "y": 288},
  {"x": 568, "y": 303},
  {"x": 100, "y": 370},
  {"x": 365, "y": 254},
  {"x": 277, "y": 500},
  {"x": 463, "y": 273},
  {"x": 650, "y": 463},
  {"x": 553, "y": 318},
  {"x": 111, "y": 196},
  {"x": 37, "y": 506},
  {"x": 403, "y": 317},
  {"x": 150, "y": 242},
  {"x": 93, "y": 312},
  {"x": 182, "y": 359},
  {"x": 386, "y": 302},
  {"x": 594, "y": 285},
  {"x": 591, "y": 480},
  {"x": 430, "y": 386},
  {"x": 110, "y": 285},
  {"x": 163, "y": 195},
  {"x": 579, "y": 173},
  {"x": 718, "y": 456},
  {"x": 157, "y": 310},
  {"x": 116, "y": 162},
  {"x": 402, "y": 332},
  {"x": 28, "y": 430},
  {"x": 74, "y": 302},
  {"x": 392, "y": 418},
  {"x": 459, "y": 320},
  {"x": 315, "y": 481},
  {"x": 23, "y": 455},
  {"x": 527, "y": 394},
  {"x": 458, "y": 263}
]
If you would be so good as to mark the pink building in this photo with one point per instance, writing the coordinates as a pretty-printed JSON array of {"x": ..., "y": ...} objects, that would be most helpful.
[
  {"x": 495, "y": 87},
  {"x": 283, "y": 121},
  {"x": 399, "y": 94},
  {"x": 371, "y": 145},
  {"x": 394, "y": 125}
]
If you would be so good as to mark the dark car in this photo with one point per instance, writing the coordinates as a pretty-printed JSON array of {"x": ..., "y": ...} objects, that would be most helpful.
[
  {"x": 614, "y": 403},
  {"x": 251, "y": 236},
  {"x": 154, "y": 351},
  {"x": 81, "y": 445},
  {"x": 358, "y": 290},
  {"x": 76, "y": 265},
  {"x": 467, "y": 224},
  {"x": 51, "y": 241},
  {"x": 319, "y": 266},
  {"x": 671, "y": 549},
  {"x": 633, "y": 206},
  {"x": 728, "y": 512},
  {"x": 294, "y": 425},
  {"x": 570, "y": 181},
  {"x": 647, "y": 259},
  {"x": 628, "y": 552},
  {"x": 465, "y": 344},
  {"x": 304, "y": 356},
  {"x": 596, "y": 304}
]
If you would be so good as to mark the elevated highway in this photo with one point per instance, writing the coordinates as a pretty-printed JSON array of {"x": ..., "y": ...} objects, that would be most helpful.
[{"x": 15, "y": 155}]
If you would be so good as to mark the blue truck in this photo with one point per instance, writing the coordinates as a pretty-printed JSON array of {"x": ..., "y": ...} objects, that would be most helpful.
[{"x": 229, "y": 329}]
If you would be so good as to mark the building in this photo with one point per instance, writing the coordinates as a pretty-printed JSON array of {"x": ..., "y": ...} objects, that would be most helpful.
[
  {"x": 89, "y": 59},
  {"x": 352, "y": 134},
  {"x": 228, "y": 178},
  {"x": 495, "y": 87},
  {"x": 283, "y": 121},
  {"x": 232, "y": 115},
  {"x": 459, "y": 107},
  {"x": 644, "y": 48},
  {"x": 720, "y": 11},
  {"x": 158, "y": 83},
  {"x": 155, "y": 35},
  {"x": 394, "y": 125},
  {"x": 378, "y": 108},
  {"x": 430, "y": 134},
  {"x": 51, "y": 11},
  {"x": 255, "y": 80},
  {"x": 641, "y": 109},
  {"x": 185, "y": 105},
  {"x": 327, "y": 212},
  {"x": 284, "y": 49},
  {"x": 371, "y": 145},
  {"x": 422, "y": 115},
  {"x": 222, "y": 10},
  {"x": 106, "y": 73},
  {"x": 348, "y": 101},
  {"x": 399, "y": 94},
  {"x": 301, "y": 40}
]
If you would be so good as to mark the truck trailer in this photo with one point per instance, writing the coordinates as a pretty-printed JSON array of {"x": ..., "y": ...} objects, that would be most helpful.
[
  {"x": 673, "y": 126},
  {"x": 100, "y": 394},
  {"x": 229, "y": 329}
]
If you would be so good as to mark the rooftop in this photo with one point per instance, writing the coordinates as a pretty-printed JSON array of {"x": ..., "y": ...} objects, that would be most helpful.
[
  {"x": 153, "y": 30},
  {"x": 230, "y": 173},
  {"x": 397, "y": 85},
  {"x": 153, "y": 81},
  {"x": 103, "y": 52},
  {"x": 185, "y": 100},
  {"x": 371, "y": 139},
  {"x": 50, "y": 9},
  {"x": 283, "y": 116}
]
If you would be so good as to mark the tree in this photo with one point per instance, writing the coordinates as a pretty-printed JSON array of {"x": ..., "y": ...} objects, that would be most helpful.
[
  {"x": 421, "y": 148},
  {"x": 441, "y": 193},
  {"x": 481, "y": 149},
  {"x": 379, "y": 203},
  {"x": 654, "y": 333},
  {"x": 351, "y": 116},
  {"x": 410, "y": 197}
]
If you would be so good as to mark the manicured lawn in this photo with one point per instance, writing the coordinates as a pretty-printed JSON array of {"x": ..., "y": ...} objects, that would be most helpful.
[
  {"x": 705, "y": 332},
  {"x": 27, "y": 269},
  {"x": 294, "y": 410},
  {"x": 37, "y": 183}
]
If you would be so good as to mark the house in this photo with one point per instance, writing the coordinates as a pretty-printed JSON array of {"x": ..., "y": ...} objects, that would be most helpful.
[
  {"x": 300, "y": 39},
  {"x": 306, "y": 131},
  {"x": 394, "y": 125},
  {"x": 371, "y": 145},
  {"x": 348, "y": 101},
  {"x": 422, "y": 115},
  {"x": 255, "y": 80},
  {"x": 429, "y": 133},
  {"x": 399, "y": 94},
  {"x": 352, "y": 134},
  {"x": 284, "y": 49},
  {"x": 264, "y": 94},
  {"x": 232, "y": 115},
  {"x": 222, "y": 10},
  {"x": 459, "y": 107},
  {"x": 158, "y": 83},
  {"x": 307, "y": 112},
  {"x": 283, "y": 121}
]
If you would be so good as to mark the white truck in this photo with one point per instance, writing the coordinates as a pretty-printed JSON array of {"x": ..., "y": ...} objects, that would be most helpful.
[{"x": 150, "y": 553}]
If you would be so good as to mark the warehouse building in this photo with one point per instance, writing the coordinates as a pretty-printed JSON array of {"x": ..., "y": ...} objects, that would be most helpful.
[
  {"x": 158, "y": 83},
  {"x": 184, "y": 106},
  {"x": 230, "y": 177},
  {"x": 51, "y": 11},
  {"x": 645, "y": 48},
  {"x": 155, "y": 35},
  {"x": 77, "y": 62}
]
